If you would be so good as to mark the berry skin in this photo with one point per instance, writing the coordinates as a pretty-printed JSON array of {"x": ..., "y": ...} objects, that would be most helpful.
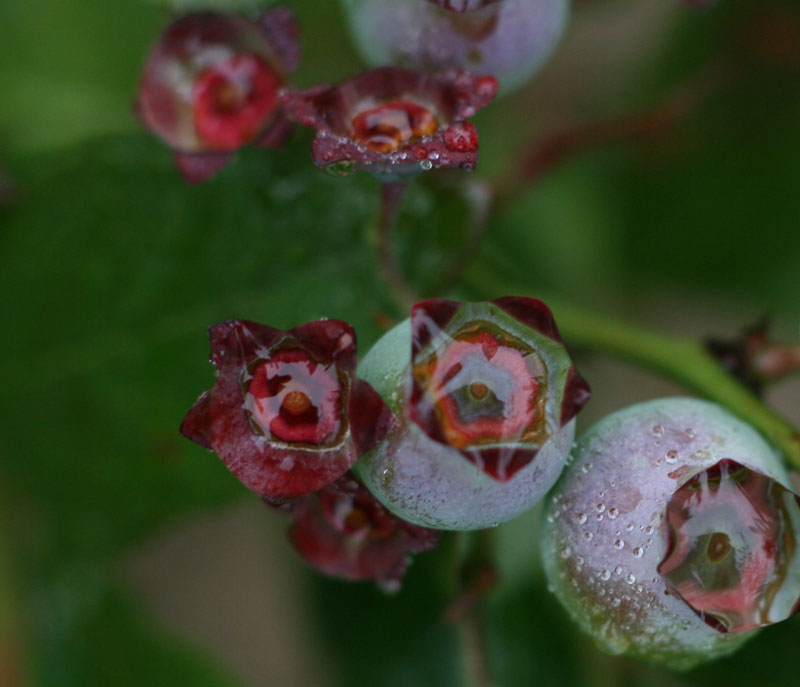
[
  {"x": 487, "y": 393},
  {"x": 510, "y": 39},
  {"x": 287, "y": 414},
  {"x": 671, "y": 533}
]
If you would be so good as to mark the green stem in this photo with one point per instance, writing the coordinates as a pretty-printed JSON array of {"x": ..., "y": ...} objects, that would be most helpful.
[{"x": 682, "y": 360}]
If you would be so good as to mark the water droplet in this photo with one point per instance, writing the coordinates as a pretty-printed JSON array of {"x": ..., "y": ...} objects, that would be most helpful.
[
  {"x": 688, "y": 434},
  {"x": 613, "y": 512},
  {"x": 588, "y": 536},
  {"x": 630, "y": 579},
  {"x": 648, "y": 529},
  {"x": 619, "y": 544},
  {"x": 618, "y": 570},
  {"x": 600, "y": 507},
  {"x": 657, "y": 431},
  {"x": 343, "y": 168},
  {"x": 599, "y": 517},
  {"x": 629, "y": 527},
  {"x": 426, "y": 165},
  {"x": 638, "y": 551},
  {"x": 671, "y": 457},
  {"x": 605, "y": 575},
  {"x": 581, "y": 518},
  {"x": 565, "y": 552}
]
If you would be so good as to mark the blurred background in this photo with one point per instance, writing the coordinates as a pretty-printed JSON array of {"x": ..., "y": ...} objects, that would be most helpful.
[{"x": 129, "y": 556}]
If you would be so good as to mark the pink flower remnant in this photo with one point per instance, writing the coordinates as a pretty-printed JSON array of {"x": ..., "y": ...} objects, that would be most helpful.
[{"x": 733, "y": 548}]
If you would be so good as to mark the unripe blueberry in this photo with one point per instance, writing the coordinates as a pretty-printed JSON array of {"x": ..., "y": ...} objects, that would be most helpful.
[
  {"x": 510, "y": 39},
  {"x": 673, "y": 533},
  {"x": 486, "y": 395}
]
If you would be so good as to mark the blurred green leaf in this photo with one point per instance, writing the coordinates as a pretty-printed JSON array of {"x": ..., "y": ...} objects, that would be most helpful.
[
  {"x": 112, "y": 268},
  {"x": 380, "y": 640},
  {"x": 106, "y": 639}
]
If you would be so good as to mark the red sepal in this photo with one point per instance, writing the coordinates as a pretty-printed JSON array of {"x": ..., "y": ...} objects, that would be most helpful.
[
  {"x": 343, "y": 531},
  {"x": 226, "y": 420}
]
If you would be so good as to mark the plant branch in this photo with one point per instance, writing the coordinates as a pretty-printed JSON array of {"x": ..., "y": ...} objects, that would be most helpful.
[
  {"x": 656, "y": 120},
  {"x": 682, "y": 360}
]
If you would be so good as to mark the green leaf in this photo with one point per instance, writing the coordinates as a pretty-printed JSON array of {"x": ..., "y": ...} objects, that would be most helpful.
[{"x": 113, "y": 268}]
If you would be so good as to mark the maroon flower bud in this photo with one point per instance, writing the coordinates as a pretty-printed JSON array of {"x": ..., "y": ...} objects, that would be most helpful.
[
  {"x": 393, "y": 122},
  {"x": 489, "y": 394},
  {"x": 211, "y": 85},
  {"x": 673, "y": 532},
  {"x": 510, "y": 39},
  {"x": 343, "y": 531},
  {"x": 287, "y": 414}
]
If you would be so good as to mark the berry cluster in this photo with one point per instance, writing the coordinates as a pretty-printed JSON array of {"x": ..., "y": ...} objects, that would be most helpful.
[
  {"x": 673, "y": 532},
  {"x": 217, "y": 82},
  {"x": 469, "y": 423}
]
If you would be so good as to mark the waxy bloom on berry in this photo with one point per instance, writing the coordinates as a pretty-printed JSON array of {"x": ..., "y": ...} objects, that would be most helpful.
[
  {"x": 394, "y": 122},
  {"x": 212, "y": 83},
  {"x": 343, "y": 531},
  {"x": 488, "y": 394},
  {"x": 673, "y": 532},
  {"x": 510, "y": 39},
  {"x": 287, "y": 414}
]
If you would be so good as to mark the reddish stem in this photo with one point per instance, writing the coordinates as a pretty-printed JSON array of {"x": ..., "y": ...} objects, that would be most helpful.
[{"x": 549, "y": 152}]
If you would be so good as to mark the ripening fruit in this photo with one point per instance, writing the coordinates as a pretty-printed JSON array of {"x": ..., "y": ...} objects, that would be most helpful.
[
  {"x": 674, "y": 533},
  {"x": 212, "y": 82},
  {"x": 509, "y": 39},
  {"x": 485, "y": 394}
]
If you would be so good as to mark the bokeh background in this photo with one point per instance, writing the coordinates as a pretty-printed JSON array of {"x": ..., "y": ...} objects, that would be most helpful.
[{"x": 129, "y": 556}]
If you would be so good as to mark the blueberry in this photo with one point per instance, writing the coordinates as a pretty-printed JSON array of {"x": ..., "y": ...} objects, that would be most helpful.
[
  {"x": 510, "y": 39},
  {"x": 486, "y": 395},
  {"x": 671, "y": 534}
]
